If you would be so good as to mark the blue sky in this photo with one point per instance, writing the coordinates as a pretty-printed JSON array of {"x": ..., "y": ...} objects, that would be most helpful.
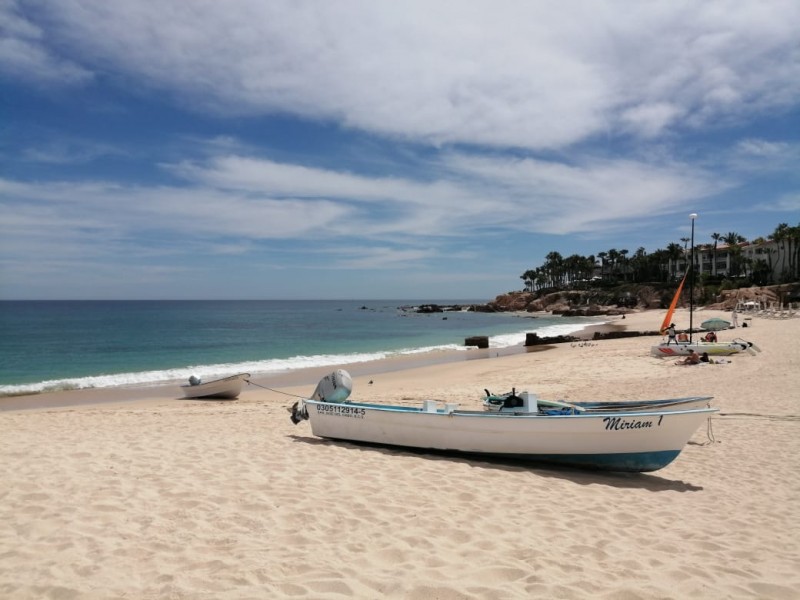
[{"x": 264, "y": 149}]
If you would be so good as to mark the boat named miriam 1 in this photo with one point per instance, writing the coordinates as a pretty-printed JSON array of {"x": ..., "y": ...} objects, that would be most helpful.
[{"x": 634, "y": 441}]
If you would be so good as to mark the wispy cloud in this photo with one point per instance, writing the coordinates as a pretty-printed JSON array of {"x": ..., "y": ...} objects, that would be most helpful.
[{"x": 26, "y": 54}]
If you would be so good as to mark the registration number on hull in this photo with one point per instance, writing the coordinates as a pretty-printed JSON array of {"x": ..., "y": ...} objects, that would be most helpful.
[{"x": 341, "y": 410}]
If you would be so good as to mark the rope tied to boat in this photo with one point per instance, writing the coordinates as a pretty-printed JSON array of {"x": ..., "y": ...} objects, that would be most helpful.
[
  {"x": 298, "y": 409},
  {"x": 263, "y": 387},
  {"x": 709, "y": 434}
]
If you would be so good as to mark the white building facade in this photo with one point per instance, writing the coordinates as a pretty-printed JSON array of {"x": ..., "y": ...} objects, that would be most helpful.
[{"x": 768, "y": 257}]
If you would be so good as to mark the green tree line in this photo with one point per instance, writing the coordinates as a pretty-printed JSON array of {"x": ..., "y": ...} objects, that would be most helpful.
[{"x": 778, "y": 262}]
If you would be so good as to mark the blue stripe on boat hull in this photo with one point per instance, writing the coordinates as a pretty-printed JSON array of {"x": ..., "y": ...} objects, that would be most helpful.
[
  {"x": 634, "y": 462},
  {"x": 630, "y": 462}
]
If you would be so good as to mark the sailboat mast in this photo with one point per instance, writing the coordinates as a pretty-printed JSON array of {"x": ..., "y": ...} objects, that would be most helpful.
[{"x": 692, "y": 216}]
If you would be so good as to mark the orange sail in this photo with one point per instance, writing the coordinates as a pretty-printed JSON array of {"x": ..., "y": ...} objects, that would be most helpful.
[{"x": 668, "y": 318}]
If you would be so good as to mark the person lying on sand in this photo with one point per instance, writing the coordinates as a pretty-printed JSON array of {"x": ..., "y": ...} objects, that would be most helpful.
[{"x": 692, "y": 359}]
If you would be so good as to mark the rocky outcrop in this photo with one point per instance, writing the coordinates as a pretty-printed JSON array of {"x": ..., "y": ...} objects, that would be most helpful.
[
  {"x": 766, "y": 295},
  {"x": 512, "y": 302},
  {"x": 618, "y": 301},
  {"x": 585, "y": 303}
]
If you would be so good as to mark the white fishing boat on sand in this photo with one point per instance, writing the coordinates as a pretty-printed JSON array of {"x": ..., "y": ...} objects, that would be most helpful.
[
  {"x": 227, "y": 388},
  {"x": 634, "y": 441}
]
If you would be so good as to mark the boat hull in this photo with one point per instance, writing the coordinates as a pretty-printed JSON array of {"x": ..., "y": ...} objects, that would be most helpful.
[
  {"x": 617, "y": 441},
  {"x": 685, "y": 349},
  {"x": 227, "y": 388}
]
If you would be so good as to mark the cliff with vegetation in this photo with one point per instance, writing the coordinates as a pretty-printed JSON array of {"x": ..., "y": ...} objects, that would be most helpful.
[{"x": 620, "y": 299}]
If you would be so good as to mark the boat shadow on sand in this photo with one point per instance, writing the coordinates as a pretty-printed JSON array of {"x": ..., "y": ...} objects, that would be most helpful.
[{"x": 644, "y": 481}]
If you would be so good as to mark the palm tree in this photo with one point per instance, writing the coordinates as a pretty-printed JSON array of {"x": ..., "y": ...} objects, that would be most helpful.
[
  {"x": 716, "y": 237},
  {"x": 674, "y": 254},
  {"x": 659, "y": 261},
  {"x": 555, "y": 268},
  {"x": 733, "y": 239},
  {"x": 602, "y": 257},
  {"x": 639, "y": 262},
  {"x": 624, "y": 254},
  {"x": 788, "y": 239},
  {"x": 613, "y": 258},
  {"x": 794, "y": 257},
  {"x": 528, "y": 277}
]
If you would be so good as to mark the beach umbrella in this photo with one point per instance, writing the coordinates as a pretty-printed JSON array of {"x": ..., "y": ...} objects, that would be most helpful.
[{"x": 715, "y": 324}]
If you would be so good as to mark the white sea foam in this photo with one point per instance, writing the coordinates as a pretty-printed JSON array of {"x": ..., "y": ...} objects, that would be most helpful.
[
  {"x": 148, "y": 378},
  {"x": 152, "y": 378}
]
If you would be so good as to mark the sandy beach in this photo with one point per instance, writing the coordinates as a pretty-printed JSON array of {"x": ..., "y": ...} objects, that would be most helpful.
[{"x": 137, "y": 494}]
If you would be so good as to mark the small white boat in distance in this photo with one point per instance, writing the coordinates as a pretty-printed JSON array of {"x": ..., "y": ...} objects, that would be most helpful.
[
  {"x": 633, "y": 441},
  {"x": 227, "y": 388}
]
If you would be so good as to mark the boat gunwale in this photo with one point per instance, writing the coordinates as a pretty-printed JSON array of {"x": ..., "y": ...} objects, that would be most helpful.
[{"x": 505, "y": 415}]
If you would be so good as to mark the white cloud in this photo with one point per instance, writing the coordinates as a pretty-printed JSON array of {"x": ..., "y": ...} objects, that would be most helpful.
[
  {"x": 24, "y": 53},
  {"x": 517, "y": 74},
  {"x": 550, "y": 197},
  {"x": 650, "y": 120},
  {"x": 762, "y": 148},
  {"x": 788, "y": 203}
]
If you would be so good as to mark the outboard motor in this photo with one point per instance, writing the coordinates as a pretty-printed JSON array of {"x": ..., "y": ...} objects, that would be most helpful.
[
  {"x": 299, "y": 412},
  {"x": 335, "y": 387}
]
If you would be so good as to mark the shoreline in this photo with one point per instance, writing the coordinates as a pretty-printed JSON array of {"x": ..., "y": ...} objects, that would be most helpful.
[{"x": 308, "y": 376}]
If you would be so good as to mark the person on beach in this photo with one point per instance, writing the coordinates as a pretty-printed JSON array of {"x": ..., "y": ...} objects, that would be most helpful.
[
  {"x": 692, "y": 359},
  {"x": 711, "y": 337},
  {"x": 704, "y": 358},
  {"x": 671, "y": 334},
  {"x": 735, "y": 318},
  {"x": 683, "y": 336}
]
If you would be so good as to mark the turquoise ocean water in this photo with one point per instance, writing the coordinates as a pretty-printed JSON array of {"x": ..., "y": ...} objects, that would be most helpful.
[{"x": 56, "y": 345}]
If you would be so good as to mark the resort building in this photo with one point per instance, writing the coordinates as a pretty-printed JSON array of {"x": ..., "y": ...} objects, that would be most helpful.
[{"x": 767, "y": 257}]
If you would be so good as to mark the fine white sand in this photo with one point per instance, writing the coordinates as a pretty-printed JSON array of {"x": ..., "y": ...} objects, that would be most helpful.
[{"x": 167, "y": 498}]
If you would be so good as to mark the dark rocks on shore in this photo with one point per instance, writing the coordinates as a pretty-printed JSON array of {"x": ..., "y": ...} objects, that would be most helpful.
[
  {"x": 614, "y": 335},
  {"x": 481, "y": 341},
  {"x": 592, "y": 311},
  {"x": 437, "y": 308},
  {"x": 533, "y": 339}
]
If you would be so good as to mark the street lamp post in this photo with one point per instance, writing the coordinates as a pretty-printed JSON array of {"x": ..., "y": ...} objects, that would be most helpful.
[{"x": 692, "y": 216}]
